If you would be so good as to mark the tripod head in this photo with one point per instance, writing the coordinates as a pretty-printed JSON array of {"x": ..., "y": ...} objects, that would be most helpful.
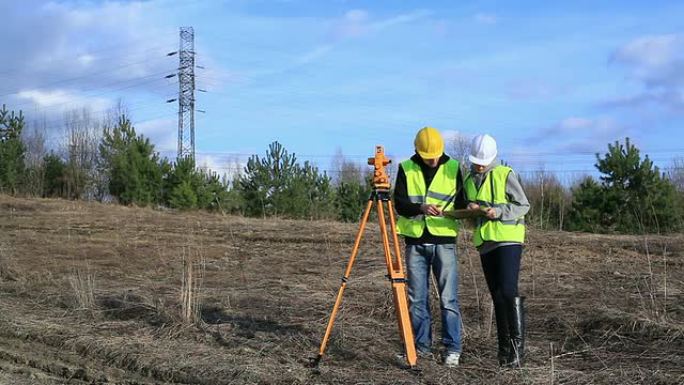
[{"x": 380, "y": 177}]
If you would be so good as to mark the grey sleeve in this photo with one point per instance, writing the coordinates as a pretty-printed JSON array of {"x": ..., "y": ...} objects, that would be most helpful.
[{"x": 519, "y": 205}]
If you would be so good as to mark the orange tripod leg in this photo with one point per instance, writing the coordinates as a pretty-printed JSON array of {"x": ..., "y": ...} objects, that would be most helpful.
[
  {"x": 340, "y": 292},
  {"x": 395, "y": 238},
  {"x": 398, "y": 279}
]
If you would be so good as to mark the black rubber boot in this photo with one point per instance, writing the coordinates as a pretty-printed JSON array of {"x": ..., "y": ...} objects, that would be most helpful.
[
  {"x": 502, "y": 335},
  {"x": 516, "y": 327}
]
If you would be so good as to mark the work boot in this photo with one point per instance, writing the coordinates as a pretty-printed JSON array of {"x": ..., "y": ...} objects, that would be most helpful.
[
  {"x": 502, "y": 335},
  {"x": 516, "y": 327}
]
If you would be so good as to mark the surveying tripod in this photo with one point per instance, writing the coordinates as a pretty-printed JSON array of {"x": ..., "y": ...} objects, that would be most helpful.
[{"x": 395, "y": 271}]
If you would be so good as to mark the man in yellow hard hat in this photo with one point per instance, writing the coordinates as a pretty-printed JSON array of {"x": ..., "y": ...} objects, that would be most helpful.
[{"x": 426, "y": 183}]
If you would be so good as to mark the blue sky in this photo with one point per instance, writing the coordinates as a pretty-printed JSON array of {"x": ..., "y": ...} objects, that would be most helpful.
[{"x": 553, "y": 83}]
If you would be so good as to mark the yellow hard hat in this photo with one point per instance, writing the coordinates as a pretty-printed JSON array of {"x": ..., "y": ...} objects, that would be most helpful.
[{"x": 429, "y": 143}]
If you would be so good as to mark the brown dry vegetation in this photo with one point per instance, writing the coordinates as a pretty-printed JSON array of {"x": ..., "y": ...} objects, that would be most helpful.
[{"x": 91, "y": 293}]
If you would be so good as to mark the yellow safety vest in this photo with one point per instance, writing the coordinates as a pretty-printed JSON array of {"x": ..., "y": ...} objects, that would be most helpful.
[
  {"x": 441, "y": 190},
  {"x": 492, "y": 193}
]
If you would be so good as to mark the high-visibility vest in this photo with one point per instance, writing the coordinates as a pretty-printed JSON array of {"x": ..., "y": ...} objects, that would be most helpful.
[
  {"x": 442, "y": 190},
  {"x": 492, "y": 193}
]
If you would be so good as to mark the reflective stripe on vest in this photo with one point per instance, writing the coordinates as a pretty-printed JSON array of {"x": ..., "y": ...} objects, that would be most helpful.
[
  {"x": 442, "y": 190},
  {"x": 492, "y": 193}
]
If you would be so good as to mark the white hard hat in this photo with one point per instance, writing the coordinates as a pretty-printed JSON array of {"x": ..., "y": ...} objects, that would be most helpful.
[{"x": 482, "y": 150}]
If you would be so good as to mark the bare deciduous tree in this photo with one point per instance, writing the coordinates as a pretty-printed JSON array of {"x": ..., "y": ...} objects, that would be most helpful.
[
  {"x": 549, "y": 200},
  {"x": 82, "y": 136},
  {"x": 676, "y": 174},
  {"x": 35, "y": 146},
  {"x": 345, "y": 170},
  {"x": 459, "y": 148}
]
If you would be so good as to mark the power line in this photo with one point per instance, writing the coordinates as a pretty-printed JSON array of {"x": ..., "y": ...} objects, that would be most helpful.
[
  {"x": 156, "y": 77},
  {"x": 52, "y": 62},
  {"x": 68, "y": 80},
  {"x": 364, "y": 157}
]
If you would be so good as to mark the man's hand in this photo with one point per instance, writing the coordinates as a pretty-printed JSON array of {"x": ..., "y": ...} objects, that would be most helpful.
[
  {"x": 490, "y": 212},
  {"x": 432, "y": 210}
]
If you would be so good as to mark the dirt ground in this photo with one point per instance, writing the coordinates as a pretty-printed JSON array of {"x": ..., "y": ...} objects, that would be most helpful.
[{"x": 92, "y": 293}]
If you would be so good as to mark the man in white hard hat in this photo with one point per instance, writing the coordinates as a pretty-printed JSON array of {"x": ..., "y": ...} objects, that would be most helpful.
[
  {"x": 499, "y": 237},
  {"x": 426, "y": 184}
]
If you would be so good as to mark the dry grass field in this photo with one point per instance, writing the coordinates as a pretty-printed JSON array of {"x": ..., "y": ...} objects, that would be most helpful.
[{"x": 93, "y": 293}]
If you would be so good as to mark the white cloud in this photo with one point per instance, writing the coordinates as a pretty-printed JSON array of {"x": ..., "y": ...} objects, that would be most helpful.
[
  {"x": 65, "y": 51},
  {"x": 83, "y": 45},
  {"x": 581, "y": 134},
  {"x": 163, "y": 133},
  {"x": 650, "y": 51},
  {"x": 60, "y": 100},
  {"x": 223, "y": 165},
  {"x": 85, "y": 59},
  {"x": 658, "y": 61},
  {"x": 76, "y": 30}
]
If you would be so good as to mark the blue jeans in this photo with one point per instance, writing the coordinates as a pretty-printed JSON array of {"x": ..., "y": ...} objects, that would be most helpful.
[{"x": 444, "y": 263}]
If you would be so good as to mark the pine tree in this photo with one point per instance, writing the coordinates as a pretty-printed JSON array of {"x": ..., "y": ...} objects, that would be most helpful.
[
  {"x": 350, "y": 198},
  {"x": 199, "y": 189},
  {"x": 277, "y": 185},
  {"x": 183, "y": 196},
  {"x": 633, "y": 196},
  {"x": 134, "y": 170},
  {"x": 586, "y": 213},
  {"x": 264, "y": 179},
  {"x": 11, "y": 151},
  {"x": 54, "y": 184},
  {"x": 308, "y": 194},
  {"x": 214, "y": 194}
]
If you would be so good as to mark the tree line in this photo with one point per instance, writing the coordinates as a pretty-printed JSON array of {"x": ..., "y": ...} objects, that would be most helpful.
[
  {"x": 631, "y": 195},
  {"x": 110, "y": 161}
]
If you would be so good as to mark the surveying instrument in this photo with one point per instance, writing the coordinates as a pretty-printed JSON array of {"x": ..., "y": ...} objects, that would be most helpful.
[{"x": 380, "y": 194}]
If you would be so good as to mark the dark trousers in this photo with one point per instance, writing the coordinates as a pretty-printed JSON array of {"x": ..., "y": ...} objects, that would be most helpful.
[{"x": 501, "y": 268}]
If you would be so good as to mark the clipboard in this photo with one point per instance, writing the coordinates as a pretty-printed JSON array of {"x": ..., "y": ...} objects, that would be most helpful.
[{"x": 464, "y": 213}]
